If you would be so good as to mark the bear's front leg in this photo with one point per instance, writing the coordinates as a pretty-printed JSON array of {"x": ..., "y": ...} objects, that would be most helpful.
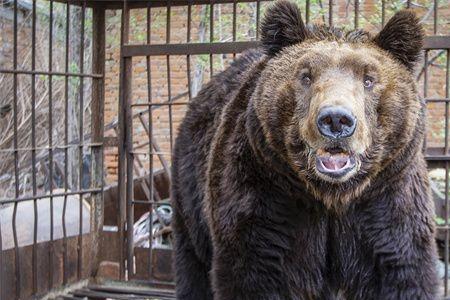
[
  {"x": 400, "y": 227},
  {"x": 245, "y": 272},
  {"x": 268, "y": 253}
]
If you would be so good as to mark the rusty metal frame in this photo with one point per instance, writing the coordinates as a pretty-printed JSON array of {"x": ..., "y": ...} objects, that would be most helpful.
[
  {"x": 129, "y": 160},
  {"x": 128, "y": 51},
  {"x": 430, "y": 43},
  {"x": 22, "y": 287}
]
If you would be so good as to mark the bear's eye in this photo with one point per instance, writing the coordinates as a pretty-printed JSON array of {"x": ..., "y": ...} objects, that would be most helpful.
[
  {"x": 368, "y": 82},
  {"x": 306, "y": 79}
]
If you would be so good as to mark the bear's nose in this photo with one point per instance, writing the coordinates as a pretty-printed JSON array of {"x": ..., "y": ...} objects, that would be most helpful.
[{"x": 336, "y": 122}]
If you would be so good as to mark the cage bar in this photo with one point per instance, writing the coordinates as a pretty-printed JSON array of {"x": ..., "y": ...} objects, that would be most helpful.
[
  {"x": 80, "y": 146},
  {"x": 97, "y": 121},
  {"x": 188, "y": 57},
  {"x": 258, "y": 17},
  {"x": 52, "y": 73},
  {"x": 122, "y": 161},
  {"x": 435, "y": 17},
  {"x": 330, "y": 13},
  {"x": 131, "y": 159},
  {"x": 50, "y": 140},
  {"x": 33, "y": 144},
  {"x": 169, "y": 82},
  {"x": 446, "y": 189},
  {"x": 150, "y": 123},
  {"x": 16, "y": 157},
  {"x": 211, "y": 36},
  {"x": 307, "y": 11},
  {"x": 66, "y": 141}
]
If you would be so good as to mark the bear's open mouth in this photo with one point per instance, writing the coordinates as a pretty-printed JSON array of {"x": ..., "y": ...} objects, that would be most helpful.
[{"x": 334, "y": 162}]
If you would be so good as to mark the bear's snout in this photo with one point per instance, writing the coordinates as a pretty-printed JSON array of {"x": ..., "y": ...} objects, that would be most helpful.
[{"x": 336, "y": 122}]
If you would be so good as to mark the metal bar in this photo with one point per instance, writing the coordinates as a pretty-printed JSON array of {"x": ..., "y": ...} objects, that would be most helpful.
[
  {"x": 234, "y": 19},
  {"x": 307, "y": 9},
  {"x": 188, "y": 57},
  {"x": 55, "y": 147},
  {"x": 435, "y": 17},
  {"x": 446, "y": 191},
  {"x": 184, "y": 49},
  {"x": 438, "y": 158},
  {"x": 118, "y": 4},
  {"x": 127, "y": 83},
  {"x": 33, "y": 145},
  {"x": 124, "y": 72},
  {"x": 97, "y": 121},
  {"x": 383, "y": 12},
  {"x": 437, "y": 100},
  {"x": 436, "y": 42},
  {"x": 258, "y": 17},
  {"x": 16, "y": 163},
  {"x": 425, "y": 87},
  {"x": 234, "y": 28},
  {"x": 50, "y": 73},
  {"x": 80, "y": 148},
  {"x": 211, "y": 36},
  {"x": 447, "y": 102},
  {"x": 408, "y": 3},
  {"x": 50, "y": 142},
  {"x": 330, "y": 12},
  {"x": 66, "y": 140},
  {"x": 150, "y": 122},
  {"x": 38, "y": 197},
  {"x": 446, "y": 215},
  {"x": 169, "y": 83},
  {"x": 158, "y": 104},
  {"x": 356, "y": 14}
]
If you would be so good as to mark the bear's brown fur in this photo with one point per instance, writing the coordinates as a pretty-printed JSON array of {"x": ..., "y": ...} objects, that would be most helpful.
[{"x": 258, "y": 212}]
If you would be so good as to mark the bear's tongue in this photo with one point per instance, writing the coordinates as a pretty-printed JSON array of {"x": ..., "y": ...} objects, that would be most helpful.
[{"x": 335, "y": 162}]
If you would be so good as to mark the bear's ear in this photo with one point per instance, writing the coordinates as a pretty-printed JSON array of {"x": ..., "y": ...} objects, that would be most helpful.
[
  {"x": 282, "y": 26},
  {"x": 402, "y": 37}
]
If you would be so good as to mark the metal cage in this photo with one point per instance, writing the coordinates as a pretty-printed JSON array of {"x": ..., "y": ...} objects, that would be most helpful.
[{"x": 158, "y": 76}]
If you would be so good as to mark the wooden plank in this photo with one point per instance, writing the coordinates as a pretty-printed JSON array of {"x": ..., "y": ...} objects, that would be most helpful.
[
  {"x": 143, "y": 267},
  {"x": 162, "y": 264},
  {"x": 26, "y": 279},
  {"x": 110, "y": 250},
  {"x": 9, "y": 284}
]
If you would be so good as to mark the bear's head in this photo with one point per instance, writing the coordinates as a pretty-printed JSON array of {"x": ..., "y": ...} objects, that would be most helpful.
[{"x": 340, "y": 107}]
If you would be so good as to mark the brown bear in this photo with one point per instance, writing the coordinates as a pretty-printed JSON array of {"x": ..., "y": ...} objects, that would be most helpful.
[{"x": 298, "y": 172}]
